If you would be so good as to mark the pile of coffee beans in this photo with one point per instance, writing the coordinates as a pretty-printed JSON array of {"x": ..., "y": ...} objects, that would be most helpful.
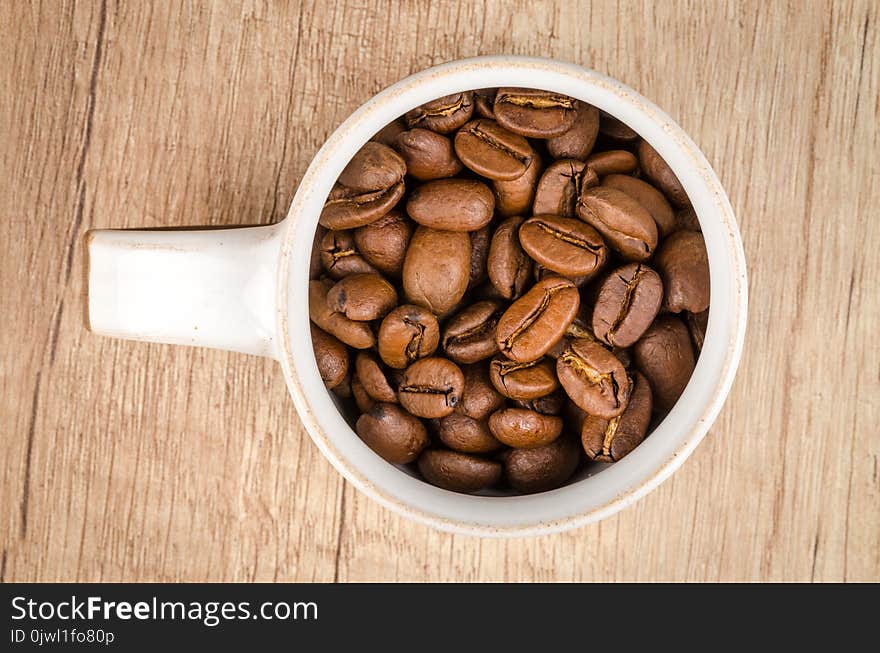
[{"x": 507, "y": 284}]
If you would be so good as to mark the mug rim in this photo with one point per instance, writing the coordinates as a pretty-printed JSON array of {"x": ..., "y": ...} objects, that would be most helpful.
[{"x": 630, "y": 478}]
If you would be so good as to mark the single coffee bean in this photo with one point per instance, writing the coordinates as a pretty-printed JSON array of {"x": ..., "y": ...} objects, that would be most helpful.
[
  {"x": 428, "y": 155},
  {"x": 316, "y": 267},
  {"x": 535, "y": 321},
  {"x": 488, "y": 149},
  {"x": 470, "y": 335},
  {"x": 467, "y": 435},
  {"x": 362, "y": 400},
  {"x": 594, "y": 378},
  {"x": 484, "y": 102},
  {"x": 431, "y": 387},
  {"x": 369, "y": 186},
  {"x": 340, "y": 256},
  {"x": 612, "y": 162},
  {"x": 331, "y": 357},
  {"x": 443, "y": 115},
  {"x": 437, "y": 267},
  {"x": 523, "y": 381},
  {"x": 407, "y": 334},
  {"x": 649, "y": 197},
  {"x": 383, "y": 243},
  {"x": 373, "y": 379},
  {"x": 524, "y": 429},
  {"x": 543, "y": 468},
  {"x": 686, "y": 218},
  {"x": 564, "y": 245},
  {"x": 626, "y": 225},
  {"x": 578, "y": 141},
  {"x": 607, "y": 441},
  {"x": 628, "y": 301},
  {"x": 684, "y": 265},
  {"x": 615, "y": 130},
  {"x": 509, "y": 267},
  {"x": 666, "y": 358},
  {"x": 458, "y": 472},
  {"x": 515, "y": 197},
  {"x": 389, "y": 133},
  {"x": 392, "y": 433},
  {"x": 479, "y": 256},
  {"x": 479, "y": 398},
  {"x": 697, "y": 323},
  {"x": 547, "y": 405},
  {"x": 452, "y": 204},
  {"x": 557, "y": 190},
  {"x": 362, "y": 297},
  {"x": 534, "y": 113},
  {"x": 661, "y": 175},
  {"x": 355, "y": 334}
]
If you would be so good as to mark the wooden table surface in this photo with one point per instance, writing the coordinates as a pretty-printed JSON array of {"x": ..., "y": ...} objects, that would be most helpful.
[{"x": 122, "y": 461}]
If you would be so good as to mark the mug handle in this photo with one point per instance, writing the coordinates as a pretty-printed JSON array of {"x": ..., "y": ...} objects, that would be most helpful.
[{"x": 204, "y": 288}]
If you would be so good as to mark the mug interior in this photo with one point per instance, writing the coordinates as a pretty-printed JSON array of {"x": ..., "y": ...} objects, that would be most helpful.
[{"x": 593, "y": 495}]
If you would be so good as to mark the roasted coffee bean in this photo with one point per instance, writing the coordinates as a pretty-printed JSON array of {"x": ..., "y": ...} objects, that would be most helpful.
[
  {"x": 431, "y": 387},
  {"x": 470, "y": 335},
  {"x": 607, "y": 441},
  {"x": 594, "y": 378},
  {"x": 628, "y": 301},
  {"x": 330, "y": 355},
  {"x": 578, "y": 141},
  {"x": 488, "y": 149},
  {"x": 686, "y": 218},
  {"x": 362, "y": 297},
  {"x": 509, "y": 267},
  {"x": 649, "y": 197},
  {"x": 466, "y": 434},
  {"x": 383, "y": 243},
  {"x": 407, "y": 334},
  {"x": 373, "y": 379},
  {"x": 516, "y": 196},
  {"x": 392, "y": 433},
  {"x": 547, "y": 405},
  {"x": 484, "y": 101},
  {"x": 557, "y": 190},
  {"x": 355, "y": 334},
  {"x": 661, "y": 175},
  {"x": 684, "y": 265},
  {"x": 343, "y": 388},
  {"x": 362, "y": 400},
  {"x": 452, "y": 204},
  {"x": 315, "y": 264},
  {"x": 612, "y": 162},
  {"x": 443, "y": 115},
  {"x": 626, "y": 225},
  {"x": 340, "y": 256},
  {"x": 458, "y": 472},
  {"x": 534, "y": 113},
  {"x": 437, "y": 267},
  {"x": 524, "y": 429},
  {"x": 535, "y": 321},
  {"x": 543, "y": 468},
  {"x": 523, "y": 381},
  {"x": 614, "y": 129},
  {"x": 479, "y": 256},
  {"x": 369, "y": 186},
  {"x": 428, "y": 155},
  {"x": 389, "y": 133},
  {"x": 697, "y": 323},
  {"x": 479, "y": 398},
  {"x": 665, "y": 356},
  {"x": 564, "y": 245}
]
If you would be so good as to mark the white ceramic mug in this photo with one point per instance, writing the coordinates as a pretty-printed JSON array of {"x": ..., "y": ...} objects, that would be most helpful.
[{"x": 245, "y": 290}]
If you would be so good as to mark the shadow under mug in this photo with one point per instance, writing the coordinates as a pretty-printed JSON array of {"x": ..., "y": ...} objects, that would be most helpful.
[{"x": 245, "y": 290}]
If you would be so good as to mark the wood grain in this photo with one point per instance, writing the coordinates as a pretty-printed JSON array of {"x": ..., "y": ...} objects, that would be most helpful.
[{"x": 135, "y": 462}]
